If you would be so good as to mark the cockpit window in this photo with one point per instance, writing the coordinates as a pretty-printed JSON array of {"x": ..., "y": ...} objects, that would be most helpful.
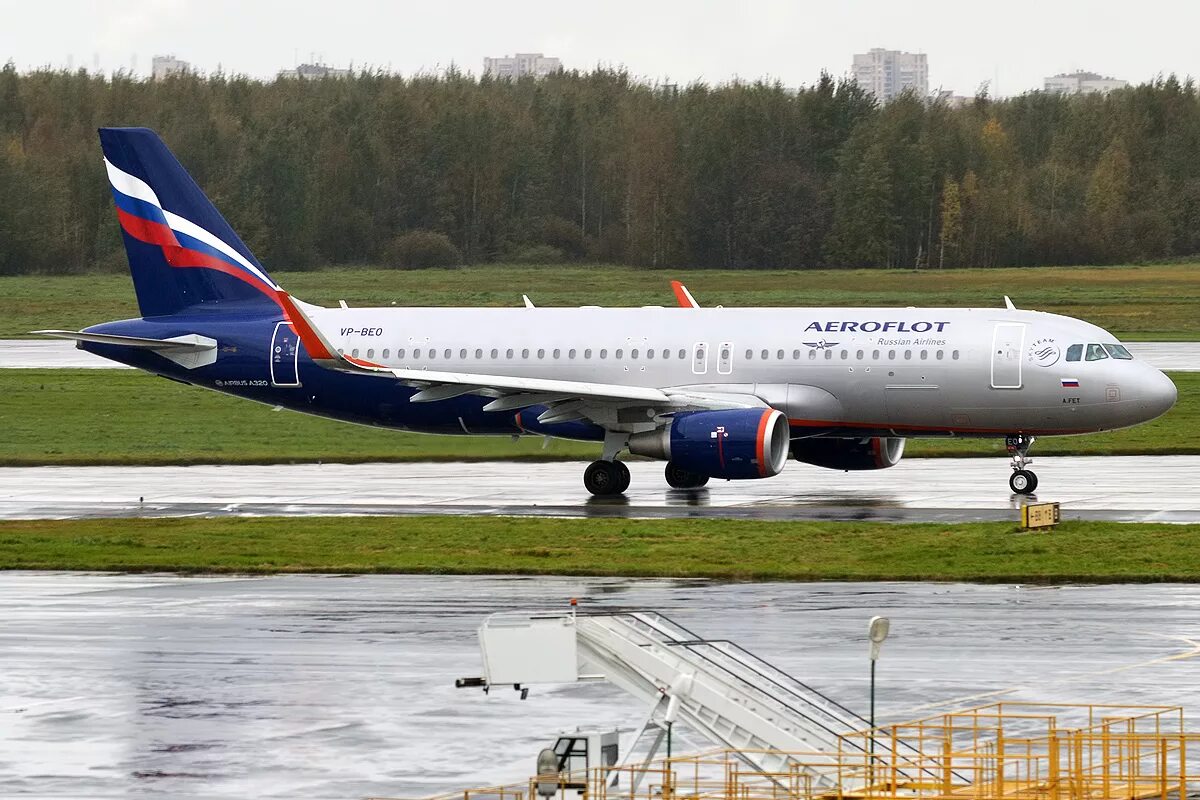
[
  {"x": 1119, "y": 351},
  {"x": 1095, "y": 352},
  {"x": 1075, "y": 352}
]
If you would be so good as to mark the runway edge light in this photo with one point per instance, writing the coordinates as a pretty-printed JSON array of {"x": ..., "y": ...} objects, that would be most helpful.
[{"x": 1039, "y": 515}]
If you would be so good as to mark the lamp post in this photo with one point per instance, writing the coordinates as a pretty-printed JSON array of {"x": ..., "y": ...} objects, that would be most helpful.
[{"x": 877, "y": 631}]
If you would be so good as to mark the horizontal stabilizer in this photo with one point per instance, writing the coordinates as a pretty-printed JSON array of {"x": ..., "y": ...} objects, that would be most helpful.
[{"x": 190, "y": 351}]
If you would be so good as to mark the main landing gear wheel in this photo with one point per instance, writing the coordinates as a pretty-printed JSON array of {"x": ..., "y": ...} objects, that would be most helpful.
[
  {"x": 679, "y": 478},
  {"x": 1022, "y": 480},
  {"x": 604, "y": 478}
]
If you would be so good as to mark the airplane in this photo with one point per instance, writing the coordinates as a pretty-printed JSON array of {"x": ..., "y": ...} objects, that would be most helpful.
[{"x": 728, "y": 393}]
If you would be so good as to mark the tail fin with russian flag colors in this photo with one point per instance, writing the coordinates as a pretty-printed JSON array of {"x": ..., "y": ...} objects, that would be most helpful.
[{"x": 182, "y": 253}]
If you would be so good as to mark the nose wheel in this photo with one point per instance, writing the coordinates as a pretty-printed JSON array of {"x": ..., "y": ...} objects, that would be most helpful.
[
  {"x": 1022, "y": 481},
  {"x": 606, "y": 478}
]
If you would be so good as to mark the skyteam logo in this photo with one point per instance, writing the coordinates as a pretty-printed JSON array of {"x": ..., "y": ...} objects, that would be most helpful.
[{"x": 1044, "y": 353}]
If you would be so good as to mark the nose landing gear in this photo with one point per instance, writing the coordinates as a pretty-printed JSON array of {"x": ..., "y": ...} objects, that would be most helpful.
[{"x": 1022, "y": 481}]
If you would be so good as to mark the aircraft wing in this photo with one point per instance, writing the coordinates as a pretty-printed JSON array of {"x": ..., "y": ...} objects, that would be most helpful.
[{"x": 608, "y": 405}]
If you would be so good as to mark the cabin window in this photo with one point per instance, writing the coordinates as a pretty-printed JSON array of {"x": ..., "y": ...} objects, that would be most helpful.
[
  {"x": 1118, "y": 351},
  {"x": 859, "y": 355},
  {"x": 765, "y": 355},
  {"x": 908, "y": 355},
  {"x": 603, "y": 353},
  {"x": 354, "y": 352},
  {"x": 667, "y": 353},
  {"x": 682, "y": 354},
  {"x": 954, "y": 355},
  {"x": 1095, "y": 352},
  {"x": 541, "y": 353},
  {"x": 795, "y": 355},
  {"x": 633, "y": 354},
  {"x": 478, "y": 353},
  {"x": 1075, "y": 352},
  {"x": 874, "y": 355},
  {"x": 557, "y": 353},
  {"x": 924, "y": 354},
  {"x": 417, "y": 352},
  {"x": 508, "y": 353},
  {"x": 812, "y": 355},
  {"x": 400, "y": 353},
  {"x": 571, "y": 353},
  {"x": 845, "y": 354},
  {"x": 749, "y": 354},
  {"x": 495, "y": 353},
  {"x": 779, "y": 355},
  {"x": 650, "y": 353},
  {"x": 446, "y": 353},
  {"x": 828, "y": 355},
  {"x": 939, "y": 355},
  {"x": 525, "y": 352},
  {"x": 891, "y": 355},
  {"x": 462, "y": 353},
  {"x": 386, "y": 352},
  {"x": 587, "y": 353},
  {"x": 619, "y": 354},
  {"x": 371, "y": 353}
]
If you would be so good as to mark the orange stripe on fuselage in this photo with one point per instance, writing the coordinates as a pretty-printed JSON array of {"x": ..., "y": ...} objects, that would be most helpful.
[
  {"x": 891, "y": 426},
  {"x": 312, "y": 342}
]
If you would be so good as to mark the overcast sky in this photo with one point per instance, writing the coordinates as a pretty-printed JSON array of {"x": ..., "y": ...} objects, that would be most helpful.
[{"x": 1011, "y": 43}]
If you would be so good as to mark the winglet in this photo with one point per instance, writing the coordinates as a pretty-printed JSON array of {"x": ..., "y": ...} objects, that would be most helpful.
[
  {"x": 683, "y": 296},
  {"x": 528, "y": 302},
  {"x": 320, "y": 349},
  {"x": 1009, "y": 304}
]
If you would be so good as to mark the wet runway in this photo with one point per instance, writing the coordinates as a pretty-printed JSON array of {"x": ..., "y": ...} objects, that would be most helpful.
[
  {"x": 1133, "y": 488},
  {"x": 326, "y": 686},
  {"x": 58, "y": 354}
]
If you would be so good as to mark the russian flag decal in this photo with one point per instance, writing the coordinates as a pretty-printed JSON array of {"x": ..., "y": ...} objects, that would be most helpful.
[{"x": 1070, "y": 383}]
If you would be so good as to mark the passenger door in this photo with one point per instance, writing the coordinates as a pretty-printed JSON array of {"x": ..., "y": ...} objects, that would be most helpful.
[
  {"x": 284, "y": 353},
  {"x": 1008, "y": 341},
  {"x": 700, "y": 358}
]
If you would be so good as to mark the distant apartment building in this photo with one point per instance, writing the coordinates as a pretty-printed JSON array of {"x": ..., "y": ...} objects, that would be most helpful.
[
  {"x": 887, "y": 73},
  {"x": 1083, "y": 83},
  {"x": 314, "y": 72},
  {"x": 535, "y": 64},
  {"x": 165, "y": 66}
]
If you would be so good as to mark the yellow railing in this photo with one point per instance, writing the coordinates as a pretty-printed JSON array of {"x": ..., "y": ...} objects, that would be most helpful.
[{"x": 1003, "y": 751}]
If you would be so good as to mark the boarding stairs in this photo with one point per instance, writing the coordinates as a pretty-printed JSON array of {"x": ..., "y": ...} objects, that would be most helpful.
[{"x": 718, "y": 689}]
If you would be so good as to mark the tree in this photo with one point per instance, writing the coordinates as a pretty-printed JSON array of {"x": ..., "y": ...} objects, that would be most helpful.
[{"x": 950, "y": 228}]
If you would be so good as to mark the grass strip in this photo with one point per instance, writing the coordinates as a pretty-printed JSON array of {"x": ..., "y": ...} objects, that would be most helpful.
[
  {"x": 93, "y": 417},
  {"x": 1155, "y": 302},
  {"x": 693, "y": 548}
]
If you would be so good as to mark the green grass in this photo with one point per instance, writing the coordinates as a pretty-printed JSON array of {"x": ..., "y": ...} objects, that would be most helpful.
[
  {"x": 1136, "y": 303},
  {"x": 725, "y": 549},
  {"x": 88, "y": 417}
]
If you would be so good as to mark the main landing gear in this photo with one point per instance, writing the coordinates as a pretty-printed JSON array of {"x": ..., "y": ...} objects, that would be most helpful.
[
  {"x": 605, "y": 478},
  {"x": 679, "y": 478},
  {"x": 1022, "y": 481}
]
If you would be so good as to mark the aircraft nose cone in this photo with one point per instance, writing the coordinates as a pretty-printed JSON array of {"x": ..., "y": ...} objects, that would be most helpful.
[{"x": 1159, "y": 394}]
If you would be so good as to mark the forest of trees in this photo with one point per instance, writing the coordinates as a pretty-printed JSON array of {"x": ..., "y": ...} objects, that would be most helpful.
[{"x": 602, "y": 167}]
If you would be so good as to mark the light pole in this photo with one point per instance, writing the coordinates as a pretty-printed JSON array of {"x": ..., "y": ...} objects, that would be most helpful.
[{"x": 877, "y": 631}]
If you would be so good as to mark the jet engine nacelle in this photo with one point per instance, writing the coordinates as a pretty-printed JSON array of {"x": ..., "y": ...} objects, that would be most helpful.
[
  {"x": 878, "y": 452},
  {"x": 733, "y": 444}
]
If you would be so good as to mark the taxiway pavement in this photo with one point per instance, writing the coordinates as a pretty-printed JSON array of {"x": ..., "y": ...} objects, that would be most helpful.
[
  {"x": 333, "y": 686},
  {"x": 1119, "y": 488}
]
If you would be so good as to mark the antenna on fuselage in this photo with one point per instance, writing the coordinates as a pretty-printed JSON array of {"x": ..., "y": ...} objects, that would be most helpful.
[{"x": 1009, "y": 304}]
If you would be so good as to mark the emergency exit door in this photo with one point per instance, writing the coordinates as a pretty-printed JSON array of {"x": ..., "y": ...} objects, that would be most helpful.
[
  {"x": 1008, "y": 341},
  {"x": 284, "y": 353}
]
